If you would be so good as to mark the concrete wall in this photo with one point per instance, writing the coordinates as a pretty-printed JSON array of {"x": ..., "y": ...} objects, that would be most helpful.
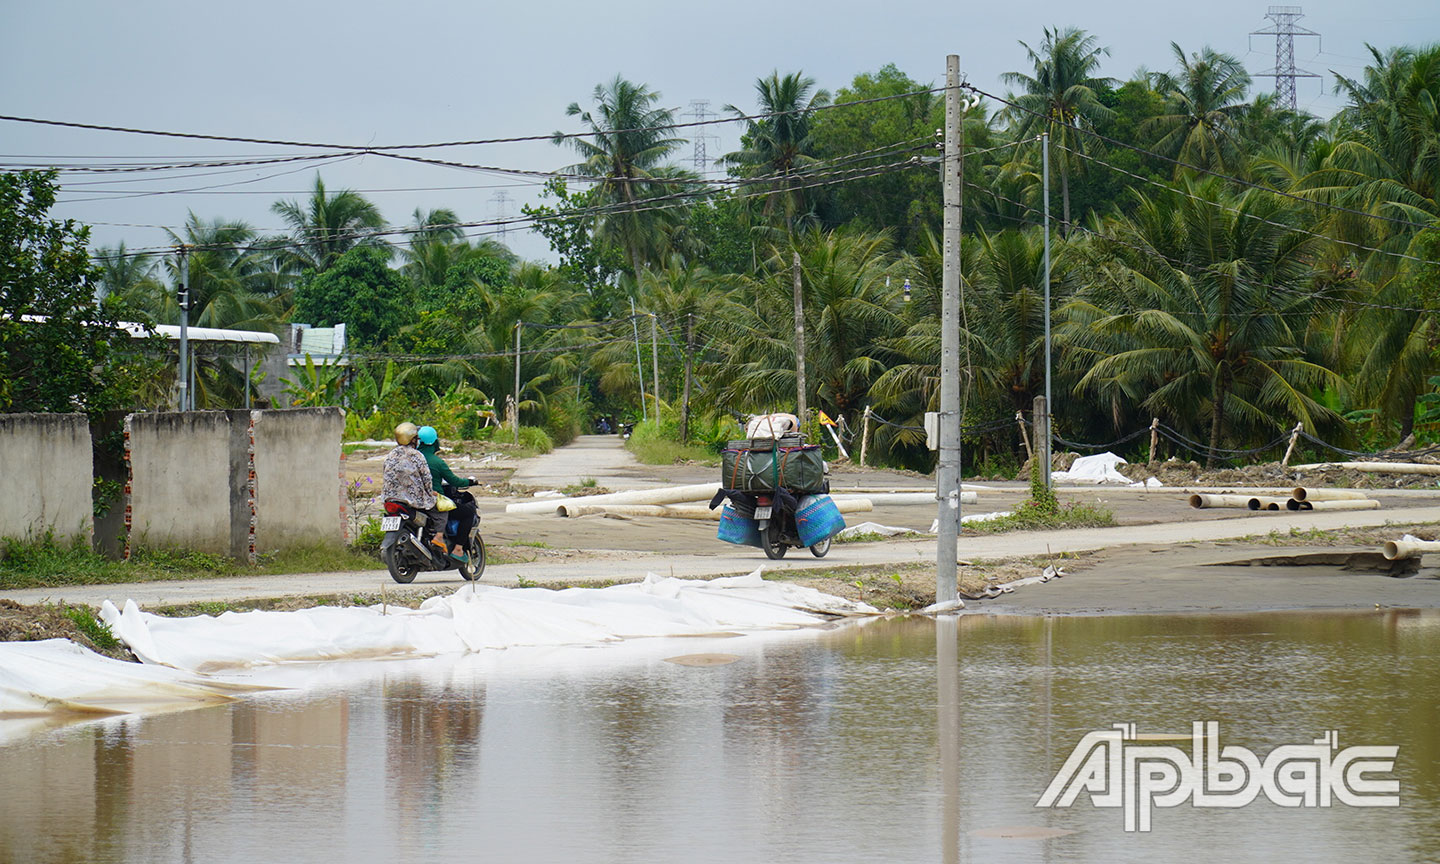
[
  {"x": 297, "y": 477},
  {"x": 179, "y": 480},
  {"x": 45, "y": 475}
]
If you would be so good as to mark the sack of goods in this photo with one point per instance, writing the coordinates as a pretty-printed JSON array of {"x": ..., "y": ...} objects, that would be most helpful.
[
  {"x": 772, "y": 425},
  {"x": 738, "y": 528},
  {"x": 765, "y": 465},
  {"x": 818, "y": 519}
]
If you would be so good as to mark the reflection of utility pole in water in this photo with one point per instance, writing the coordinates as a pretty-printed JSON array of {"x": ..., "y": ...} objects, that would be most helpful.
[{"x": 947, "y": 685}]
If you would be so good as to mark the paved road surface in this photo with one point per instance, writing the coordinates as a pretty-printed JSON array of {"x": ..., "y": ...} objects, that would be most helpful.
[{"x": 634, "y": 565}]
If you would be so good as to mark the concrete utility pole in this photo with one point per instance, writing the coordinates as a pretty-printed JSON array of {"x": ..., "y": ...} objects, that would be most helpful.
[
  {"x": 800, "y": 407},
  {"x": 655, "y": 364},
  {"x": 639, "y": 369},
  {"x": 947, "y": 474},
  {"x": 1045, "y": 161},
  {"x": 519, "y": 325},
  {"x": 184, "y": 301}
]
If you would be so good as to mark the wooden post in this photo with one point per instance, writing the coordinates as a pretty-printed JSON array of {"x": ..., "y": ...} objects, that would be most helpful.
[
  {"x": 1154, "y": 438},
  {"x": 1290, "y": 450},
  {"x": 864, "y": 436},
  {"x": 1024, "y": 437}
]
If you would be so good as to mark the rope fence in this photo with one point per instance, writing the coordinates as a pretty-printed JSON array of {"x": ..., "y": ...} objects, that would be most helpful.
[{"x": 1180, "y": 441}]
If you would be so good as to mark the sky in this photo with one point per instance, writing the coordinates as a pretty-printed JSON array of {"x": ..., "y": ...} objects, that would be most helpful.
[{"x": 372, "y": 74}]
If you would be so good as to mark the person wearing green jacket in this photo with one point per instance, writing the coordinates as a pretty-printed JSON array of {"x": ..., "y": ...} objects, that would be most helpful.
[{"x": 440, "y": 474}]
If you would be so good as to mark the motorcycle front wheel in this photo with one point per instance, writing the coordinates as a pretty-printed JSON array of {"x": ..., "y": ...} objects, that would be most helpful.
[
  {"x": 401, "y": 569},
  {"x": 475, "y": 568}
]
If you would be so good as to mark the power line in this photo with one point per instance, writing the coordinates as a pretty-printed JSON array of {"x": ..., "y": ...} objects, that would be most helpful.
[{"x": 554, "y": 136}]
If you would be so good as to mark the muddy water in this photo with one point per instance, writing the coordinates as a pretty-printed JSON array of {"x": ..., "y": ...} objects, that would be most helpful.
[{"x": 898, "y": 740}]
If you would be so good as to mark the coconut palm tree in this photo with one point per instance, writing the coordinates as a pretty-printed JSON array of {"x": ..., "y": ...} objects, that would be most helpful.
[
  {"x": 685, "y": 296},
  {"x": 625, "y": 153},
  {"x": 1206, "y": 100},
  {"x": 1197, "y": 312},
  {"x": 1061, "y": 97},
  {"x": 850, "y": 283},
  {"x": 327, "y": 225},
  {"x": 779, "y": 145}
]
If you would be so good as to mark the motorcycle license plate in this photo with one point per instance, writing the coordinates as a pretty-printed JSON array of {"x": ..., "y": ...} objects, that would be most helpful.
[
  {"x": 390, "y": 523},
  {"x": 762, "y": 513}
]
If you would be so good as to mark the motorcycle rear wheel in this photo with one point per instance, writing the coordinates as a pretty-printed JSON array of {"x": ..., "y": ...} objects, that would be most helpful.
[
  {"x": 773, "y": 542},
  {"x": 821, "y": 549},
  {"x": 401, "y": 569}
]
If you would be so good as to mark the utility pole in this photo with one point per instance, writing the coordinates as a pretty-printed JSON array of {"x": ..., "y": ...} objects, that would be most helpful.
[
  {"x": 519, "y": 325},
  {"x": 639, "y": 369},
  {"x": 655, "y": 364},
  {"x": 1045, "y": 161},
  {"x": 947, "y": 474},
  {"x": 1284, "y": 29},
  {"x": 184, "y": 302},
  {"x": 800, "y": 407}
]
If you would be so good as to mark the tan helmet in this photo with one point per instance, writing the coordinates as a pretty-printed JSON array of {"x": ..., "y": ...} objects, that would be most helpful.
[{"x": 405, "y": 432}]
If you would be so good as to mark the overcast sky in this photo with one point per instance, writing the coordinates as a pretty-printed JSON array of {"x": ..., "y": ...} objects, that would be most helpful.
[{"x": 372, "y": 73}]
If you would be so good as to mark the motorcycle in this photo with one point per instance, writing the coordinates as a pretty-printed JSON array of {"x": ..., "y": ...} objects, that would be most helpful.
[
  {"x": 778, "y": 532},
  {"x": 626, "y": 429},
  {"x": 405, "y": 552}
]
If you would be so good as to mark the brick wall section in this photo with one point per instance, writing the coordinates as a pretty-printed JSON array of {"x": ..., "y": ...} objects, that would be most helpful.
[
  {"x": 297, "y": 498},
  {"x": 179, "y": 489}
]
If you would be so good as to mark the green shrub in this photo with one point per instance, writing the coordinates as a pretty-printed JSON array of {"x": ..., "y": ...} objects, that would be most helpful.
[
  {"x": 367, "y": 540},
  {"x": 97, "y": 631},
  {"x": 535, "y": 440}
]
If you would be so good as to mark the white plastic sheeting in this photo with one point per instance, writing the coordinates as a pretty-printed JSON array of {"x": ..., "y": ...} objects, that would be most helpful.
[
  {"x": 1097, "y": 470},
  {"x": 474, "y": 618},
  {"x": 57, "y": 676}
]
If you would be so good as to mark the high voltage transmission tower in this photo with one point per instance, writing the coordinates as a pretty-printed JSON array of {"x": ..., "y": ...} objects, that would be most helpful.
[
  {"x": 501, "y": 200},
  {"x": 700, "y": 110},
  {"x": 1284, "y": 29}
]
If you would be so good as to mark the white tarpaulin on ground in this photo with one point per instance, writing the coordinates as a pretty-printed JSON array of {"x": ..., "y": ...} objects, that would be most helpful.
[
  {"x": 57, "y": 676},
  {"x": 1097, "y": 470},
  {"x": 475, "y": 617}
]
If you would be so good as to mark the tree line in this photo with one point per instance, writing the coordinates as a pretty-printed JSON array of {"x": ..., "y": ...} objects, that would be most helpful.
[{"x": 1219, "y": 261}]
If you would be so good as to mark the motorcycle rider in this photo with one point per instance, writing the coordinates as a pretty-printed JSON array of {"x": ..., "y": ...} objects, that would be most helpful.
[
  {"x": 441, "y": 474},
  {"x": 405, "y": 477}
]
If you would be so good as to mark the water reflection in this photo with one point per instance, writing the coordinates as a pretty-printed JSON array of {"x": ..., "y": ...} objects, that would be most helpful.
[{"x": 907, "y": 740}]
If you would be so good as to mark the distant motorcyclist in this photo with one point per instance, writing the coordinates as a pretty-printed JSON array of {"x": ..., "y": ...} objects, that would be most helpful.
[
  {"x": 440, "y": 474},
  {"x": 405, "y": 477}
]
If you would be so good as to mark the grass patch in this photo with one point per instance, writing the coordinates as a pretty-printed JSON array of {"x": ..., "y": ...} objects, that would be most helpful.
[
  {"x": 652, "y": 448},
  {"x": 1079, "y": 514},
  {"x": 46, "y": 563},
  {"x": 97, "y": 631},
  {"x": 533, "y": 544}
]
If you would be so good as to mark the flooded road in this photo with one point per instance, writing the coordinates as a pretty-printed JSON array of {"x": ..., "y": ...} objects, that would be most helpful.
[{"x": 898, "y": 740}]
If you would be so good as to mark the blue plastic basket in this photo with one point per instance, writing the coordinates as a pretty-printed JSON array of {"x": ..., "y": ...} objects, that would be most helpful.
[
  {"x": 738, "y": 529},
  {"x": 817, "y": 519}
]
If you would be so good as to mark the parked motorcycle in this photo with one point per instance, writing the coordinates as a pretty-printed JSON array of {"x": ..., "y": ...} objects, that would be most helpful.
[
  {"x": 778, "y": 532},
  {"x": 626, "y": 429},
  {"x": 405, "y": 552}
]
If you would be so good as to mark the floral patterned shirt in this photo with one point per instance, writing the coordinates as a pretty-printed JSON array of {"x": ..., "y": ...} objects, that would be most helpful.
[{"x": 406, "y": 478}]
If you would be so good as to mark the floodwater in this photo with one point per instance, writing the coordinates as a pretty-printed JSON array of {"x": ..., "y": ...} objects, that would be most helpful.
[{"x": 890, "y": 740}]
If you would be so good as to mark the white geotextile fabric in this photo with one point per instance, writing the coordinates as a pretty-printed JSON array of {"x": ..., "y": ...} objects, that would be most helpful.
[
  {"x": 874, "y": 528},
  {"x": 56, "y": 675},
  {"x": 475, "y": 617},
  {"x": 1097, "y": 470}
]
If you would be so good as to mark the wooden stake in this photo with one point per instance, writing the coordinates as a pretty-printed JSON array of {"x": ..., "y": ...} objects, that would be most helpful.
[
  {"x": 864, "y": 436},
  {"x": 1154, "y": 438},
  {"x": 1024, "y": 436},
  {"x": 1290, "y": 450}
]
